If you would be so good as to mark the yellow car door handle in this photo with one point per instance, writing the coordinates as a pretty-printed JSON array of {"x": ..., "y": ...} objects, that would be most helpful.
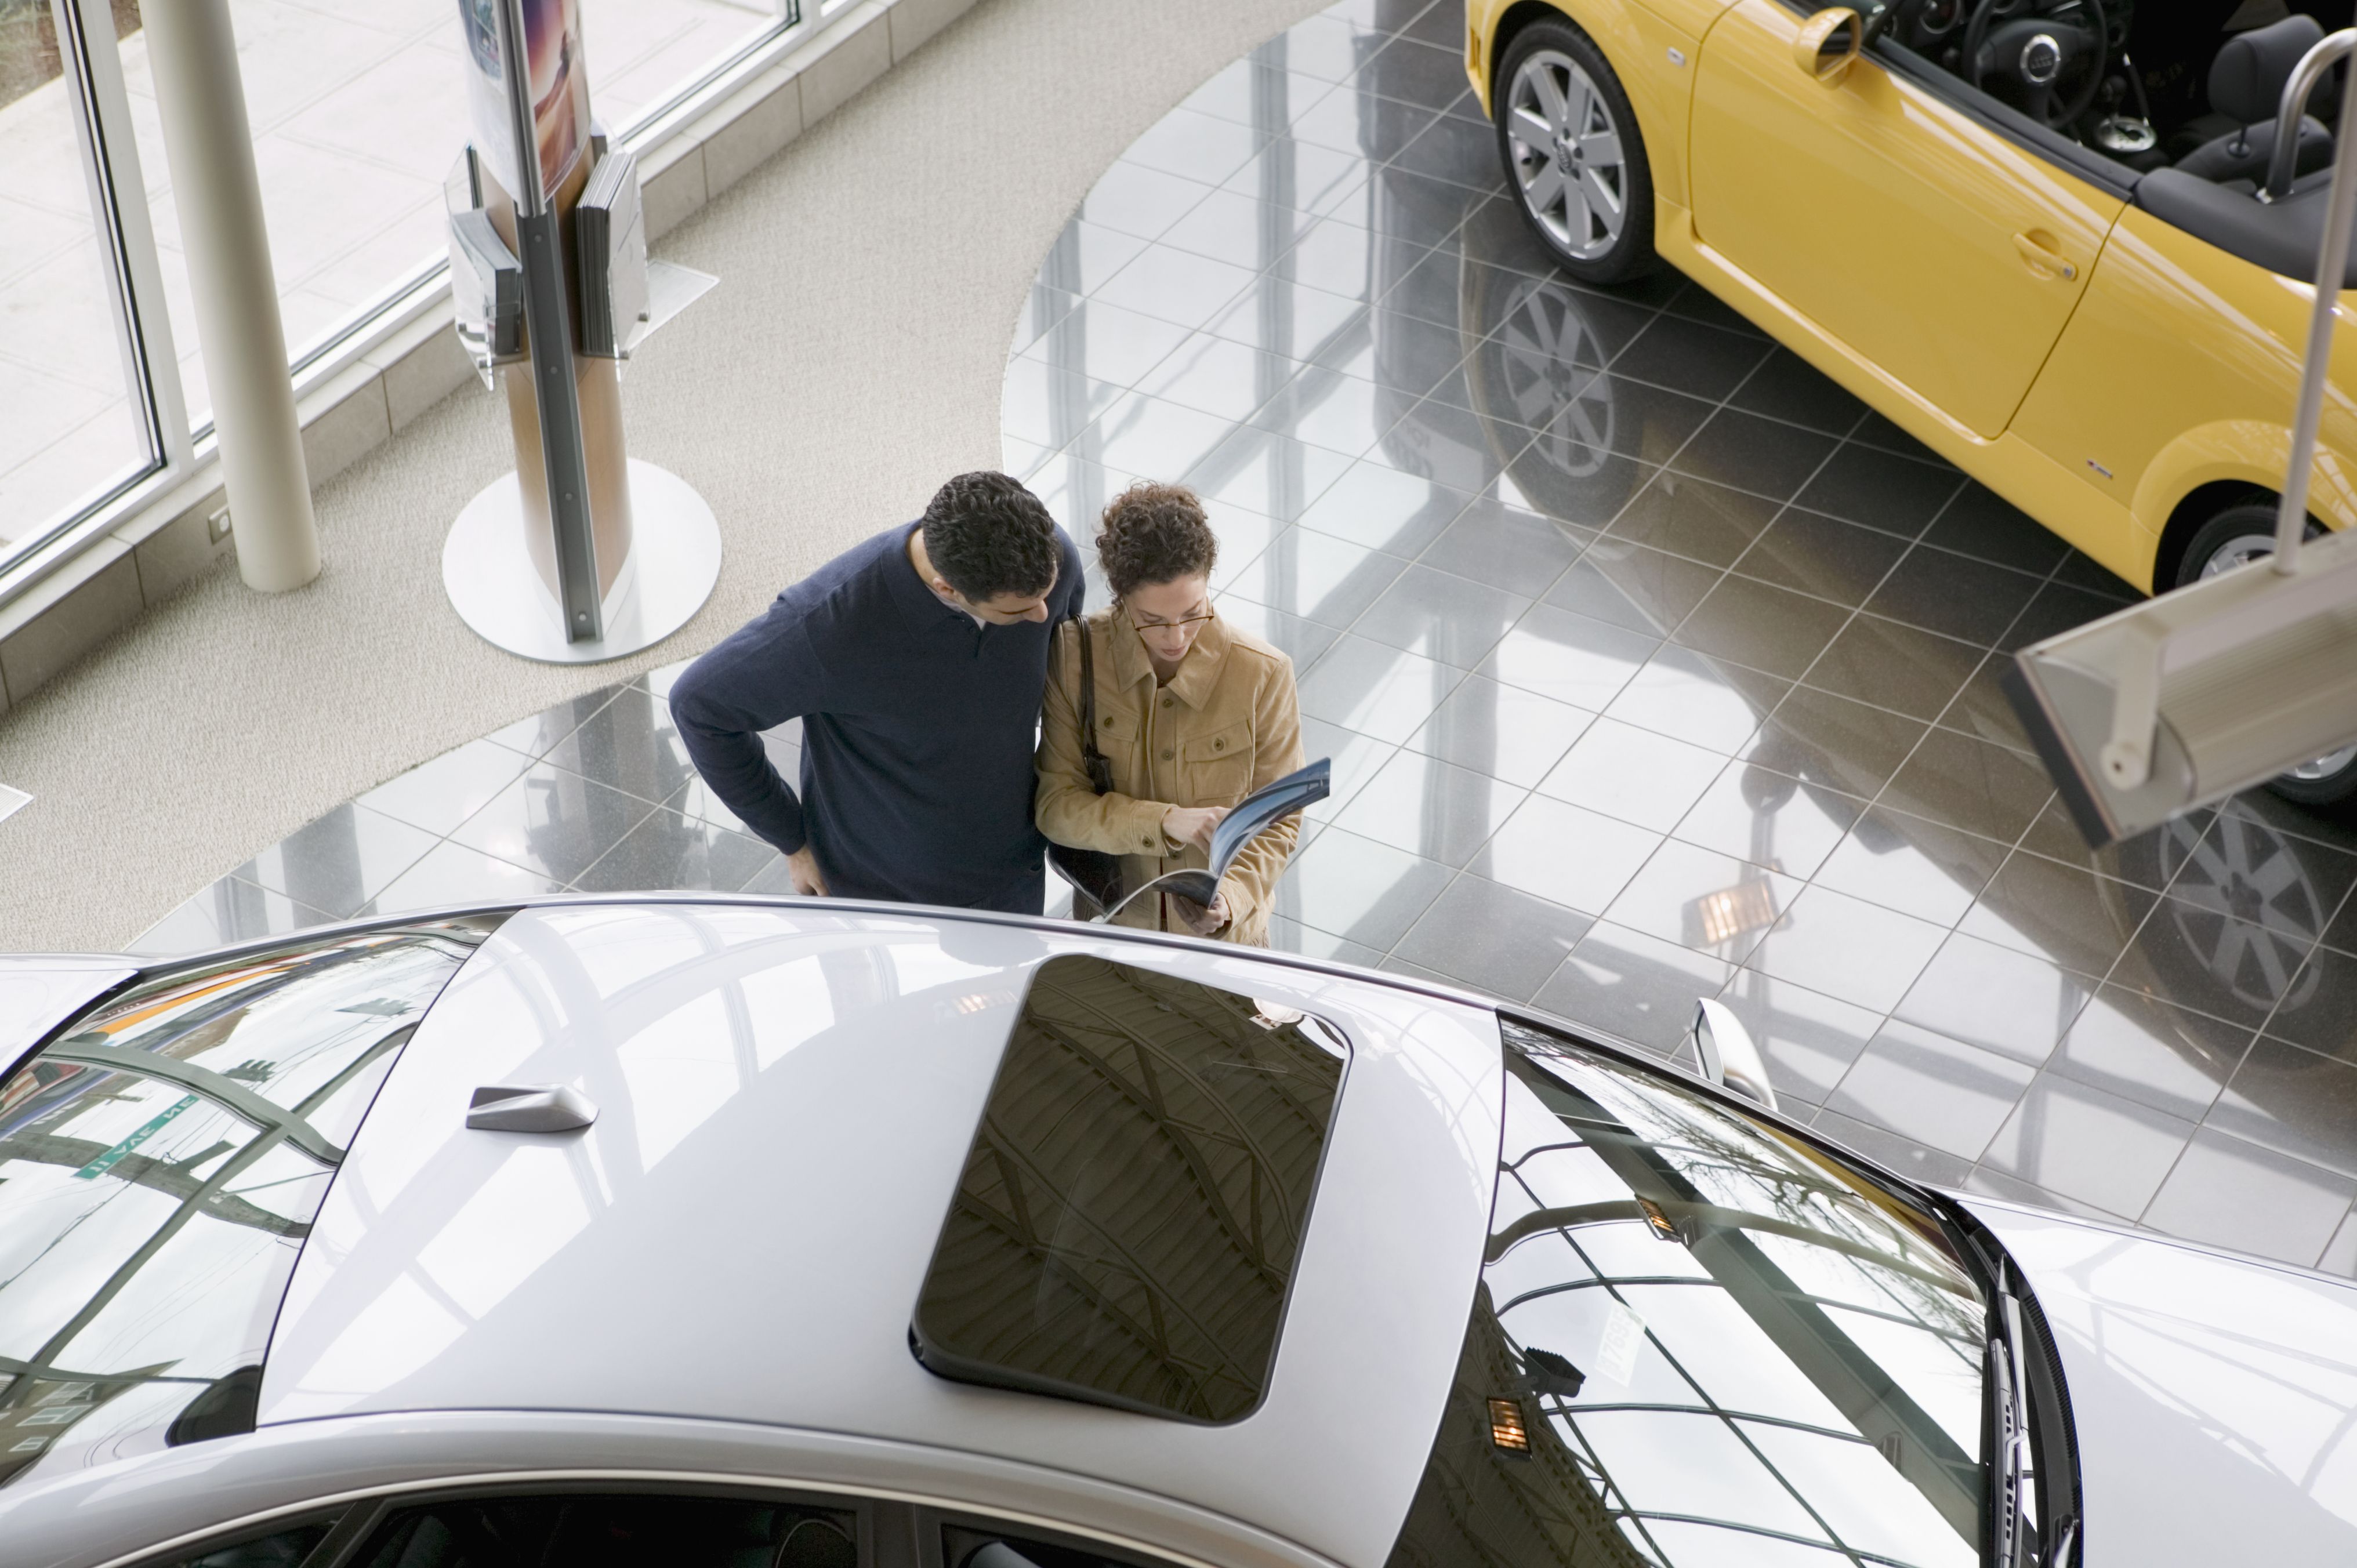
[{"x": 2042, "y": 258}]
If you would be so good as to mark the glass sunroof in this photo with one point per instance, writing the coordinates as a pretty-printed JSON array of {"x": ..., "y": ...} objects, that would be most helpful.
[{"x": 1126, "y": 1227}]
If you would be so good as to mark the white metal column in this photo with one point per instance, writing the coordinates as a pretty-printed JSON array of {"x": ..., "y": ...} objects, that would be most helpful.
[{"x": 207, "y": 140}]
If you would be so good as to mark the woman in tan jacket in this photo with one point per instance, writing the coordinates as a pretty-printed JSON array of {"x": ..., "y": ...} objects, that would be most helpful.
[{"x": 1192, "y": 714}]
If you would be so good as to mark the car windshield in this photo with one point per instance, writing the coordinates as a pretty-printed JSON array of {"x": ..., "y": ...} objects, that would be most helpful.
[
  {"x": 160, "y": 1166},
  {"x": 1698, "y": 1341}
]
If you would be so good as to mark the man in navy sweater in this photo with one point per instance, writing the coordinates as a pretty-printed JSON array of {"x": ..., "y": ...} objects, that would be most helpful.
[{"x": 915, "y": 663}]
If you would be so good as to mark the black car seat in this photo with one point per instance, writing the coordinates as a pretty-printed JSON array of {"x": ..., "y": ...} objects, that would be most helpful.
[{"x": 2246, "y": 83}]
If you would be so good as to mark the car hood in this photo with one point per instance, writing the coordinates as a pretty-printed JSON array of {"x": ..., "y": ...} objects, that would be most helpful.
[
  {"x": 40, "y": 992},
  {"x": 2215, "y": 1396}
]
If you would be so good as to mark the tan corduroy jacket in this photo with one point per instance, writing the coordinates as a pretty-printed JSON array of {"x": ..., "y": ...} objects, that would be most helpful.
[{"x": 1226, "y": 725}]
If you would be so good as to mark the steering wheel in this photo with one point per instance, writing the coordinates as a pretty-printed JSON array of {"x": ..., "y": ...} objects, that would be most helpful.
[{"x": 2045, "y": 58}]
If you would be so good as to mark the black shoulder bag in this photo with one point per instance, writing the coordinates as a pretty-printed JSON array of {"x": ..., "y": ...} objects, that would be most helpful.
[{"x": 1095, "y": 876}]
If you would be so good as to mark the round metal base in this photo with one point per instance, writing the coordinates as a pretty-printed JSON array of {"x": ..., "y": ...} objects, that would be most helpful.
[{"x": 674, "y": 561}]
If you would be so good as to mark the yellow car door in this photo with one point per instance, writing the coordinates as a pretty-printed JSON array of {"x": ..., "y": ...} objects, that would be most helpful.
[{"x": 1927, "y": 242}]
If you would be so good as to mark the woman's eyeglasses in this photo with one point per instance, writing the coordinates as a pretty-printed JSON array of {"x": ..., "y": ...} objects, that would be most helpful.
[{"x": 1143, "y": 625}]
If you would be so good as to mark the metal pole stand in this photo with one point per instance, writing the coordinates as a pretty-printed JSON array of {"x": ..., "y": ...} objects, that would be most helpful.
[
  {"x": 493, "y": 584},
  {"x": 582, "y": 553}
]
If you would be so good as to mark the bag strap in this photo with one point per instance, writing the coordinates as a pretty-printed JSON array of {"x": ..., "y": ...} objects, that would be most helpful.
[{"x": 1100, "y": 770}]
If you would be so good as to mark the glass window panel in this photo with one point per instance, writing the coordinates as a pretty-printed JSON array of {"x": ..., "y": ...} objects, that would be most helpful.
[
  {"x": 1868, "y": 1504},
  {"x": 281, "y": 1548},
  {"x": 1689, "y": 1545},
  {"x": 71, "y": 425},
  {"x": 1693, "y": 1463},
  {"x": 1539, "y": 1263},
  {"x": 1567, "y": 1178},
  {"x": 1800, "y": 1309},
  {"x": 963, "y": 1548},
  {"x": 358, "y": 112},
  {"x": 1634, "y": 1250},
  {"x": 1943, "y": 1377},
  {"x": 1721, "y": 1347},
  {"x": 592, "y": 1531},
  {"x": 160, "y": 1167},
  {"x": 1576, "y": 1324},
  {"x": 1134, "y": 1201}
]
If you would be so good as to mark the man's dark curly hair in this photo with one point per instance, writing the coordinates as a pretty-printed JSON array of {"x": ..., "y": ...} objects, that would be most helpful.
[
  {"x": 1155, "y": 534},
  {"x": 987, "y": 536}
]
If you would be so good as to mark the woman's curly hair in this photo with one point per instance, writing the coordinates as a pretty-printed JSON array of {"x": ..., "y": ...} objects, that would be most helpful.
[{"x": 1154, "y": 534}]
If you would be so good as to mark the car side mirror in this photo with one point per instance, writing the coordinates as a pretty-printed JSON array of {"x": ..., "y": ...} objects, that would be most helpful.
[
  {"x": 1723, "y": 1047},
  {"x": 1828, "y": 43}
]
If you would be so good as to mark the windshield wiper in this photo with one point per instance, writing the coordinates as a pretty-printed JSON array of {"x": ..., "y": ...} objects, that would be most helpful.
[{"x": 2008, "y": 1465}]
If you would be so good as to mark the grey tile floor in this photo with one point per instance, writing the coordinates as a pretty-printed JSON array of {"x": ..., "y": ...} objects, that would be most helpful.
[{"x": 1652, "y": 666}]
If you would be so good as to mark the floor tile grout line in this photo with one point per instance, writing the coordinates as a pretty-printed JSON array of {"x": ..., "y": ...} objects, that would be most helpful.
[
  {"x": 1920, "y": 539},
  {"x": 1655, "y": 313},
  {"x": 606, "y": 696},
  {"x": 1666, "y": 837},
  {"x": 1739, "y": 964},
  {"x": 2250, "y": 1047}
]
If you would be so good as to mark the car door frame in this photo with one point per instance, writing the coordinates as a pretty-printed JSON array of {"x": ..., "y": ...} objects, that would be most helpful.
[
  {"x": 354, "y": 1521},
  {"x": 2059, "y": 499},
  {"x": 1904, "y": 190},
  {"x": 889, "y": 1531}
]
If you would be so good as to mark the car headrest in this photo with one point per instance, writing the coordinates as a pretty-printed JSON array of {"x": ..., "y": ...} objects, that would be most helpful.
[{"x": 2246, "y": 79}]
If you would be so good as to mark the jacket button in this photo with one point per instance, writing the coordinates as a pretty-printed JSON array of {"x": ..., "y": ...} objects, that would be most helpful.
[
  {"x": 1165, "y": 754},
  {"x": 1108, "y": 723},
  {"x": 1165, "y": 702},
  {"x": 1216, "y": 745}
]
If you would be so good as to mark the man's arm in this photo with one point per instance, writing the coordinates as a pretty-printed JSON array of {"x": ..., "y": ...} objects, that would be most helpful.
[{"x": 763, "y": 674}]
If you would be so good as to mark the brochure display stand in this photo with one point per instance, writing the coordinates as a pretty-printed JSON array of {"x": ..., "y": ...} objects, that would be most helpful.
[{"x": 583, "y": 553}]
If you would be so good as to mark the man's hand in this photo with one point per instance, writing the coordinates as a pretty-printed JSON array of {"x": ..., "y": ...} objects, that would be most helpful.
[
  {"x": 1193, "y": 824},
  {"x": 802, "y": 866},
  {"x": 1203, "y": 922}
]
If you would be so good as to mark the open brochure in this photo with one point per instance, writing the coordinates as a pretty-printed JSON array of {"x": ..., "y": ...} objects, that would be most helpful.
[{"x": 1263, "y": 809}]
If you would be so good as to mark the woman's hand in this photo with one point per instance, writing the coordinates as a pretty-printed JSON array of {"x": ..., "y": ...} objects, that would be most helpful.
[
  {"x": 1193, "y": 824},
  {"x": 1202, "y": 920}
]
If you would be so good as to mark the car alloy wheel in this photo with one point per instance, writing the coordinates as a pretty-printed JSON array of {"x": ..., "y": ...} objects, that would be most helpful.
[
  {"x": 1568, "y": 165},
  {"x": 2244, "y": 907},
  {"x": 1546, "y": 352}
]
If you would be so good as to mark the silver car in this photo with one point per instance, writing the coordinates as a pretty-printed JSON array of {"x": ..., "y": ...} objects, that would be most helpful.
[{"x": 730, "y": 1233}]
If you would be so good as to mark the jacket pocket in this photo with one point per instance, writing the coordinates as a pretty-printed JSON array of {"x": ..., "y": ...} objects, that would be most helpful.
[
  {"x": 1117, "y": 737},
  {"x": 1219, "y": 764}
]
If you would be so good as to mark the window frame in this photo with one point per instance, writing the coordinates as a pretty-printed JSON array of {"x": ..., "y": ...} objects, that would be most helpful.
[
  {"x": 889, "y": 1531},
  {"x": 933, "y": 1522},
  {"x": 2112, "y": 178},
  {"x": 90, "y": 65},
  {"x": 354, "y": 1519},
  {"x": 182, "y": 454}
]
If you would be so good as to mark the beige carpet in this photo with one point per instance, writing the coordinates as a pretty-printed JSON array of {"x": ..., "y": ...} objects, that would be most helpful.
[{"x": 850, "y": 360}]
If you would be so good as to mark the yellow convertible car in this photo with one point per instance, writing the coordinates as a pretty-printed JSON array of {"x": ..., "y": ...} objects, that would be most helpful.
[{"x": 2068, "y": 244}]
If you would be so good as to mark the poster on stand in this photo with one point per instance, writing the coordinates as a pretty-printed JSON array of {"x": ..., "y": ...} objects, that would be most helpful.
[{"x": 558, "y": 83}]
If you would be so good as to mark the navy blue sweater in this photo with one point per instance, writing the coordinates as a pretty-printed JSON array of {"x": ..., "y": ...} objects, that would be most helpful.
[{"x": 918, "y": 730}]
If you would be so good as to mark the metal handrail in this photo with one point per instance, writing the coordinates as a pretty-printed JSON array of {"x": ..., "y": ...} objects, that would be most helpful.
[
  {"x": 2331, "y": 272},
  {"x": 2282, "y": 163}
]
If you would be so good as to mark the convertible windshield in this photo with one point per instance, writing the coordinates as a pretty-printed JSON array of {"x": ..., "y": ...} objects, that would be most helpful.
[
  {"x": 1699, "y": 1341},
  {"x": 160, "y": 1166}
]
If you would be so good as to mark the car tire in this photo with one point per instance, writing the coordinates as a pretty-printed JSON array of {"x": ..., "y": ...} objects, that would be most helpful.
[
  {"x": 1573, "y": 156},
  {"x": 2241, "y": 533}
]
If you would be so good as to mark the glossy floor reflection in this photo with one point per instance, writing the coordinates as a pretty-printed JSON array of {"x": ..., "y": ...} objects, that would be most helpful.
[{"x": 1652, "y": 667}]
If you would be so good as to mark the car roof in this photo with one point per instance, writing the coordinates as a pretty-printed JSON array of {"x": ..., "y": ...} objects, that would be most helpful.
[{"x": 786, "y": 1098}]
